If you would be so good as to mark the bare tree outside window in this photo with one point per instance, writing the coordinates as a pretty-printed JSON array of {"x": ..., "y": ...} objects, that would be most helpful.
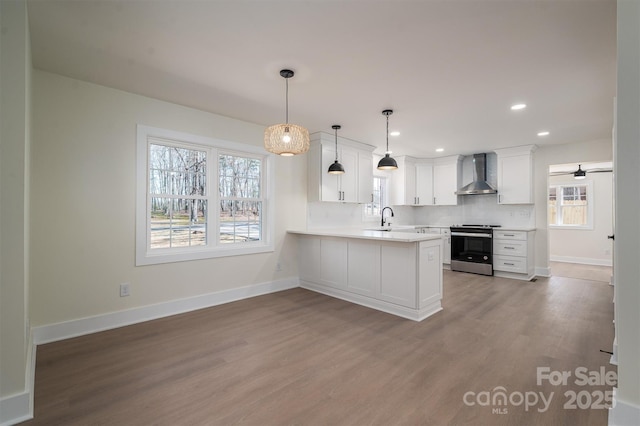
[
  {"x": 240, "y": 198},
  {"x": 177, "y": 185}
]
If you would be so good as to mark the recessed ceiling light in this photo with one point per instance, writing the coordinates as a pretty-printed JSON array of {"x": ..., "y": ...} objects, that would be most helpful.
[
  {"x": 439, "y": 149},
  {"x": 518, "y": 106},
  {"x": 545, "y": 133},
  {"x": 395, "y": 133}
]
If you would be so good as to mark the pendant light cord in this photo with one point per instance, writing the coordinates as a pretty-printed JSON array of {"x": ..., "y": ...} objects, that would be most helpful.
[
  {"x": 336, "y": 144},
  {"x": 387, "y": 134},
  {"x": 286, "y": 80}
]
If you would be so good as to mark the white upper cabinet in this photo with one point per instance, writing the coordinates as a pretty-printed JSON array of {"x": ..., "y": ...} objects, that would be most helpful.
[
  {"x": 426, "y": 182},
  {"x": 412, "y": 183},
  {"x": 353, "y": 186},
  {"x": 515, "y": 175},
  {"x": 447, "y": 176}
]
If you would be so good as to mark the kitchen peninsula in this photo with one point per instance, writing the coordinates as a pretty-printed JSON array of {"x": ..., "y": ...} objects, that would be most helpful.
[{"x": 395, "y": 272}]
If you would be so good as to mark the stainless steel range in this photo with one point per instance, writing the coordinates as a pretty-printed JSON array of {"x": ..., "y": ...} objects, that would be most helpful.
[{"x": 472, "y": 248}]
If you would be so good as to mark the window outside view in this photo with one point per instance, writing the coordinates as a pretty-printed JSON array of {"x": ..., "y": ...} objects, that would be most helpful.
[
  {"x": 177, "y": 183},
  {"x": 240, "y": 202},
  {"x": 379, "y": 197},
  {"x": 180, "y": 197},
  {"x": 568, "y": 205}
]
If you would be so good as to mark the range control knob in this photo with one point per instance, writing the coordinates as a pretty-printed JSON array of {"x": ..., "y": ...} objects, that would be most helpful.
[{"x": 486, "y": 257}]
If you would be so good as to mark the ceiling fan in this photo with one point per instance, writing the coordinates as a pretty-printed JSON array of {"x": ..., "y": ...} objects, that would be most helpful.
[{"x": 581, "y": 173}]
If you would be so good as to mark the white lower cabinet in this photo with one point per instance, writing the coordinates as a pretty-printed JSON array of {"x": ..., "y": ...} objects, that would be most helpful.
[
  {"x": 446, "y": 245},
  {"x": 513, "y": 254},
  {"x": 401, "y": 278}
]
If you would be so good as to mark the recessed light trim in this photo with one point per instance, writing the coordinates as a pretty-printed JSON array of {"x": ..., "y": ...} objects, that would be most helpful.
[
  {"x": 439, "y": 149},
  {"x": 545, "y": 133},
  {"x": 517, "y": 107},
  {"x": 394, "y": 133}
]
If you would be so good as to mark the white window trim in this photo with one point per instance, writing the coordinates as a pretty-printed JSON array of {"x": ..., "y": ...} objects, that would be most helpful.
[
  {"x": 370, "y": 217},
  {"x": 590, "y": 202},
  {"x": 144, "y": 256}
]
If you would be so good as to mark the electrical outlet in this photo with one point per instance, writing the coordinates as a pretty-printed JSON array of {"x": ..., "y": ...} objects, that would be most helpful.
[
  {"x": 278, "y": 267},
  {"x": 124, "y": 290}
]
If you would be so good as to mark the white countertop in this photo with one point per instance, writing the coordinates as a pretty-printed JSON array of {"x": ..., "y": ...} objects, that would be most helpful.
[{"x": 404, "y": 237}]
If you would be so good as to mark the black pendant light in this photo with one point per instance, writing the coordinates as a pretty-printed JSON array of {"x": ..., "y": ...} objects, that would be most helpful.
[
  {"x": 387, "y": 162},
  {"x": 336, "y": 168},
  {"x": 580, "y": 174}
]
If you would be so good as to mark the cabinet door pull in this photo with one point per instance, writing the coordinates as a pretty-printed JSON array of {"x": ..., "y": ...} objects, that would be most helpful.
[
  {"x": 418, "y": 198},
  {"x": 510, "y": 264},
  {"x": 509, "y": 235},
  {"x": 434, "y": 200},
  {"x": 510, "y": 248},
  {"x": 372, "y": 198}
]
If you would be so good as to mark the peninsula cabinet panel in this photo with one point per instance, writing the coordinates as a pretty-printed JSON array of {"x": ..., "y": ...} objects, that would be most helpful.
[
  {"x": 398, "y": 275},
  {"x": 309, "y": 262},
  {"x": 333, "y": 262},
  {"x": 430, "y": 268},
  {"x": 364, "y": 267}
]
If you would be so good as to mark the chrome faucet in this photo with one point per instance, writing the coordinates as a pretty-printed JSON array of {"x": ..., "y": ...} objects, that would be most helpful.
[{"x": 382, "y": 215}]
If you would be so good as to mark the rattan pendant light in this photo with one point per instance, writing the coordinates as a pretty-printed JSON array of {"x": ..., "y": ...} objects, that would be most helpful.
[
  {"x": 387, "y": 162},
  {"x": 336, "y": 168},
  {"x": 286, "y": 139}
]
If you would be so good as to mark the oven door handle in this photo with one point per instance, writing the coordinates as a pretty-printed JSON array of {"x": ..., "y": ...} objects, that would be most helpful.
[{"x": 469, "y": 234}]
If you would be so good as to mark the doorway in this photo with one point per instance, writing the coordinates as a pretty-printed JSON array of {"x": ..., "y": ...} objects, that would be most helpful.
[{"x": 580, "y": 219}]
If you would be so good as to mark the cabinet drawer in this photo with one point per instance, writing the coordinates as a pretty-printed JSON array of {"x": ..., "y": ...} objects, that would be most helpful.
[
  {"x": 510, "y": 247},
  {"x": 510, "y": 264},
  {"x": 510, "y": 235}
]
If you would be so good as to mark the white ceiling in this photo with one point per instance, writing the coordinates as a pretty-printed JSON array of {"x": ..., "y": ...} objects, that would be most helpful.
[{"x": 449, "y": 69}]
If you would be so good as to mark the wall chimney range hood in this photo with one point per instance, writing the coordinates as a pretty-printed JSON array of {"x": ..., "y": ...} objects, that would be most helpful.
[{"x": 479, "y": 184}]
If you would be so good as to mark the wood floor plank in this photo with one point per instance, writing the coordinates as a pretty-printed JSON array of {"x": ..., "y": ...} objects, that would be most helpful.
[{"x": 299, "y": 357}]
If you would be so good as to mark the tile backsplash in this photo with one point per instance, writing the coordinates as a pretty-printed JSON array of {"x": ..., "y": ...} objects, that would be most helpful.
[{"x": 471, "y": 209}]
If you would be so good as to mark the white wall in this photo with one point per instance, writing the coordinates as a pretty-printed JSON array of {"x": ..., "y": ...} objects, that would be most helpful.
[
  {"x": 627, "y": 196},
  {"x": 589, "y": 246},
  {"x": 15, "y": 68},
  {"x": 83, "y": 204},
  {"x": 543, "y": 157}
]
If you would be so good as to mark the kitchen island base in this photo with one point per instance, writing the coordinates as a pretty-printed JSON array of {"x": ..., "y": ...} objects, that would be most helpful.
[{"x": 400, "y": 277}]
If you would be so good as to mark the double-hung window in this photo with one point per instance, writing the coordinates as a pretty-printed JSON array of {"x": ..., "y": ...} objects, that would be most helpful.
[
  {"x": 379, "y": 191},
  {"x": 571, "y": 206},
  {"x": 199, "y": 197}
]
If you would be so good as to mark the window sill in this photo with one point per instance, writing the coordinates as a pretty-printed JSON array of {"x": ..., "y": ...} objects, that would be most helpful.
[
  {"x": 146, "y": 258},
  {"x": 572, "y": 227}
]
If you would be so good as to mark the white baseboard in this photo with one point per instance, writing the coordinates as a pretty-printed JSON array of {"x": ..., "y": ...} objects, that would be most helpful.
[
  {"x": 79, "y": 327},
  {"x": 623, "y": 413},
  {"x": 18, "y": 408},
  {"x": 15, "y": 408},
  {"x": 543, "y": 271},
  {"x": 380, "y": 305},
  {"x": 581, "y": 260}
]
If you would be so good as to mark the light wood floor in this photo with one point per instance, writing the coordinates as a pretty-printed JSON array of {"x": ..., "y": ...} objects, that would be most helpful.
[
  {"x": 585, "y": 272},
  {"x": 301, "y": 358}
]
